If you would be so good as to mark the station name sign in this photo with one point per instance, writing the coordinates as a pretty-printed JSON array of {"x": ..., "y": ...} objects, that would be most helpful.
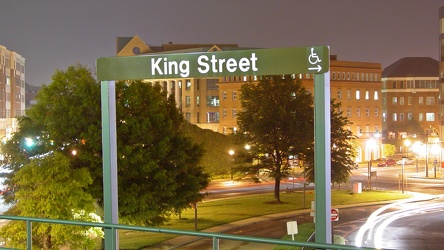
[{"x": 297, "y": 60}]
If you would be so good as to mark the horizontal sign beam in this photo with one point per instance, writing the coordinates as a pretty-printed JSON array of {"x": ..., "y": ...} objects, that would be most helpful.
[{"x": 296, "y": 60}]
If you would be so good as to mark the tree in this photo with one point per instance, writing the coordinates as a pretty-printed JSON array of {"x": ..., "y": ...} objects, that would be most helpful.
[
  {"x": 50, "y": 188},
  {"x": 277, "y": 121},
  {"x": 158, "y": 166}
]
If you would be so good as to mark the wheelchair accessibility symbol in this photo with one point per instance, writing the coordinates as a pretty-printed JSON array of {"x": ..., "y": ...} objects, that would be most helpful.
[{"x": 314, "y": 59}]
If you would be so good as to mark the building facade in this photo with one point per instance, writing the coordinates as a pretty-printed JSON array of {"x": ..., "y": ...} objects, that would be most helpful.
[
  {"x": 213, "y": 103},
  {"x": 12, "y": 90},
  {"x": 410, "y": 99}
]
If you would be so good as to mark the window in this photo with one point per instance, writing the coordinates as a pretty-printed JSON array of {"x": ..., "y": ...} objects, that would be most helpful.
[
  {"x": 401, "y": 100},
  {"x": 367, "y": 112},
  {"x": 197, "y": 100},
  {"x": 358, "y": 95},
  {"x": 421, "y": 117},
  {"x": 394, "y": 117},
  {"x": 409, "y": 100},
  {"x": 212, "y": 101},
  {"x": 212, "y": 84},
  {"x": 188, "y": 85},
  {"x": 409, "y": 116},
  {"x": 421, "y": 100},
  {"x": 367, "y": 95},
  {"x": 376, "y": 112},
  {"x": 224, "y": 95},
  {"x": 430, "y": 100},
  {"x": 375, "y": 95},
  {"x": 401, "y": 117},
  {"x": 358, "y": 112},
  {"x": 234, "y": 112},
  {"x": 187, "y": 101},
  {"x": 333, "y": 75},
  {"x": 234, "y": 95},
  {"x": 394, "y": 100},
  {"x": 188, "y": 116},
  {"x": 430, "y": 117},
  {"x": 224, "y": 113},
  {"x": 349, "y": 113},
  {"x": 339, "y": 94},
  {"x": 212, "y": 117},
  {"x": 348, "y": 94}
]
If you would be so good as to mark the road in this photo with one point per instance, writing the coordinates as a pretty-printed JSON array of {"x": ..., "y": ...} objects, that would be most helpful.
[{"x": 403, "y": 233}]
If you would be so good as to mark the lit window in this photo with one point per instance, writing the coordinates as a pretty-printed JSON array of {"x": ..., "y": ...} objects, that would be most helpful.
[
  {"x": 357, "y": 95},
  {"x": 430, "y": 117},
  {"x": 375, "y": 95},
  {"x": 394, "y": 100},
  {"x": 421, "y": 117},
  {"x": 367, "y": 95},
  {"x": 394, "y": 117}
]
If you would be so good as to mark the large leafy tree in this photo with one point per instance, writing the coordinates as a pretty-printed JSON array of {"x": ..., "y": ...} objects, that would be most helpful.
[
  {"x": 158, "y": 166},
  {"x": 50, "y": 188},
  {"x": 277, "y": 121}
]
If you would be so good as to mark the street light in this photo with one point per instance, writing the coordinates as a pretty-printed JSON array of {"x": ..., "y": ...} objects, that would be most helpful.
[
  {"x": 407, "y": 145},
  {"x": 231, "y": 153},
  {"x": 371, "y": 144}
]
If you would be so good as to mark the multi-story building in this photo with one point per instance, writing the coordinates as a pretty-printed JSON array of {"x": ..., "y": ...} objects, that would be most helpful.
[
  {"x": 12, "y": 90},
  {"x": 213, "y": 103},
  {"x": 410, "y": 96},
  {"x": 356, "y": 85},
  {"x": 441, "y": 73}
]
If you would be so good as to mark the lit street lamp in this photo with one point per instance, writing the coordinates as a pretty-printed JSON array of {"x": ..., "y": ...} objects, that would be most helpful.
[{"x": 231, "y": 153}]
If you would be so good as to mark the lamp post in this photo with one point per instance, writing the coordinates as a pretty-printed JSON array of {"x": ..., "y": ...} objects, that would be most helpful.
[
  {"x": 407, "y": 145},
  {"x": 370, "y": 144},
  {"x": 231, "y": 153}
]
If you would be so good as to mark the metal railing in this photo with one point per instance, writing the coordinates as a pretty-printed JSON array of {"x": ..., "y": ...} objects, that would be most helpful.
[{"x": 214, "y": 236}]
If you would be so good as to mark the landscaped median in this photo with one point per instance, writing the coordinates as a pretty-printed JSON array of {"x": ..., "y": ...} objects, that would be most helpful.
[{"x": 218, "y": 212}]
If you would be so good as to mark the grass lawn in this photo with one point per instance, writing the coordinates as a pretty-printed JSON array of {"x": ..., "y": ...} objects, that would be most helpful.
[{"x": 218, "y": 212}]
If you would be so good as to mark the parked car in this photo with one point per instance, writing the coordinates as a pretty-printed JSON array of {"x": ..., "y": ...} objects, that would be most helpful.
[
  {"x": 386, "y": 163},
  {"x": 407, "y": 161}
]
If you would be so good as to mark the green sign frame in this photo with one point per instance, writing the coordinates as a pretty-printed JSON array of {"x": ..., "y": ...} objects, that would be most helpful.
[
  {"x": 298, "y": 60},
  {"x": 314, "y": 59}
]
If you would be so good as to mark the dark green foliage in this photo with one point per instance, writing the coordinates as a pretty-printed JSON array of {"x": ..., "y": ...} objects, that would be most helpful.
[
  {"x": 215, "y": 159},
  {"x": 277, "y": 121},
  {"x": 158, "y": 166}
]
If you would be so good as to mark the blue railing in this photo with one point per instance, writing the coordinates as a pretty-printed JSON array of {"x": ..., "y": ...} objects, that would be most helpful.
[{"x": 214, "y": 236}]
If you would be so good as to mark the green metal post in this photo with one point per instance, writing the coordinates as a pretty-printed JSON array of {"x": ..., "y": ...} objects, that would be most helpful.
[
  {"x": 322, "y": 158},
  {"x": 109, "y": 151},
  {"x": 29, "y": 234}
]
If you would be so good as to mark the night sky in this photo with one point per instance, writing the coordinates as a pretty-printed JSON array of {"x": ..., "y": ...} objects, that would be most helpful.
[{"x": 53, "y": 34}]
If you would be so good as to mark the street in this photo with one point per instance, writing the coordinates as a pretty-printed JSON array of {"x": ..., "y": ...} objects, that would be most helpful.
[{"x": 403, "y": 233}]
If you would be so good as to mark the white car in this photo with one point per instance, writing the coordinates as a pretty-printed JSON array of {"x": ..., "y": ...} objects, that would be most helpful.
[{"x": 407, "y": 161}]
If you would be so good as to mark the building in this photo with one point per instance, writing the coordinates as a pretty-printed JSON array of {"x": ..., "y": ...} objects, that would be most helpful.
[
  {"x": 30, "y": 95},
  {"x": 12, "y": 90},
  {"x": 441, "y": 72},
  {"x": 213, "y": 103},
  {"x": 410, "y": 97}
]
